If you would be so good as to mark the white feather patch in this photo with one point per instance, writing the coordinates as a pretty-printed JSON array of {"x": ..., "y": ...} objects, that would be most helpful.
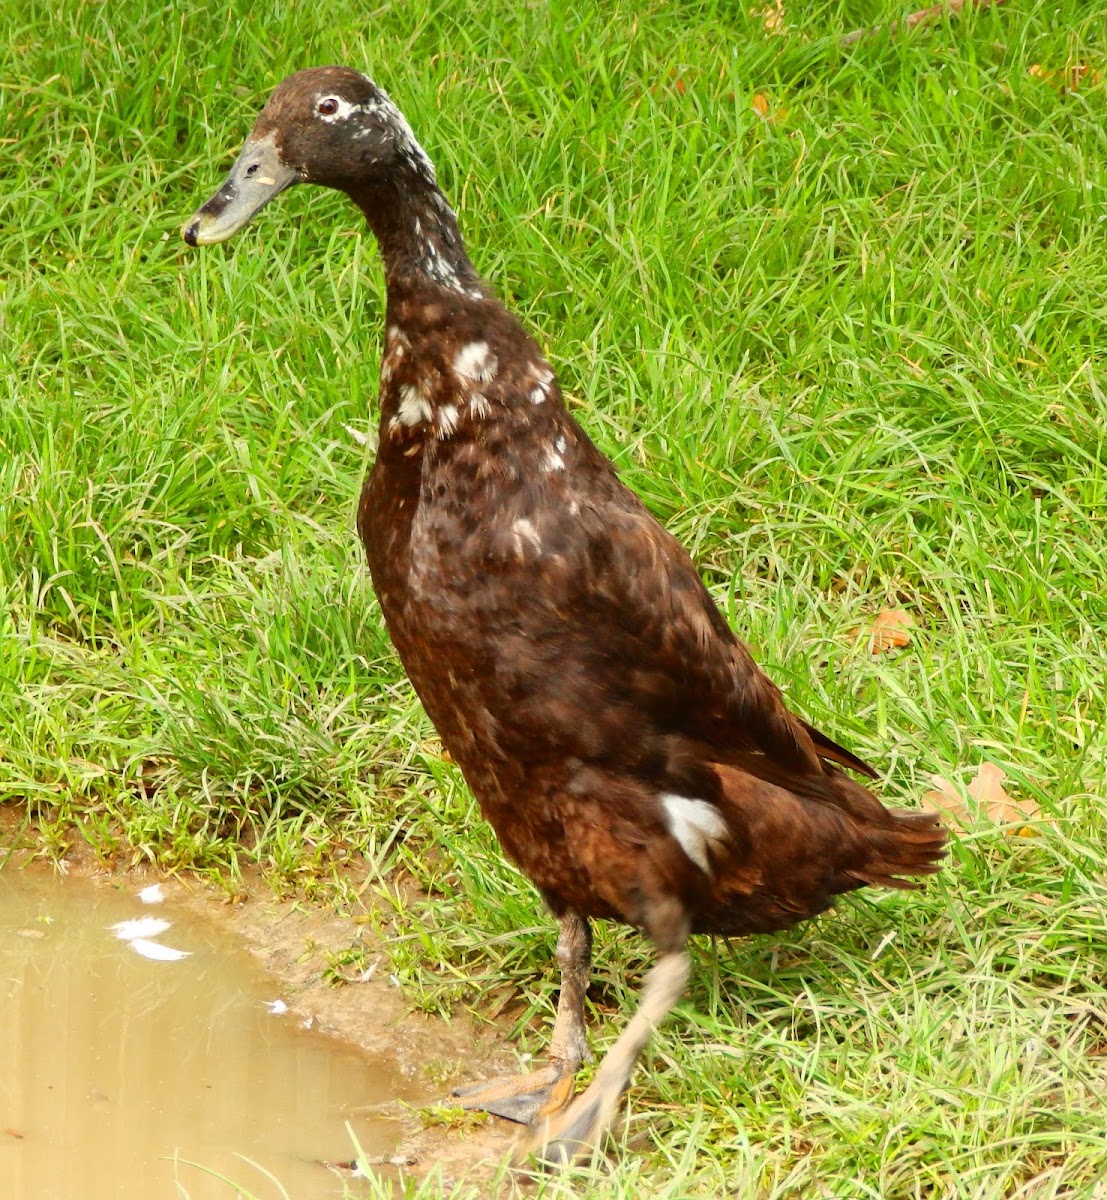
[
  {"x": 697, "y": 827},
  {"x": 447, "y": 419},
  {"x": 475, "y": 362},
  {"x": 524, "y": 529},
  {"x": 414, "y": 406}
]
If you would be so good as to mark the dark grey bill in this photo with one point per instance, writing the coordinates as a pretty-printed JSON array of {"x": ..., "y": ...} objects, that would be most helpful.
[{"x": 256, "y": 177}]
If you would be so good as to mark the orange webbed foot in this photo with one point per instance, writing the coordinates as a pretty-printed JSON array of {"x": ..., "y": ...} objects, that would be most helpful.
[{"x": 529, "y": 1099}]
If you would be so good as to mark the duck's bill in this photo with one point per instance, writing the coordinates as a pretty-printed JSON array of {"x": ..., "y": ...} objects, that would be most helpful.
[{"x": 254, "y": 180}]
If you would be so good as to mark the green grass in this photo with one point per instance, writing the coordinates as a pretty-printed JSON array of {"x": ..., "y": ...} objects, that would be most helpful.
[{"x": 853, "y": 355}]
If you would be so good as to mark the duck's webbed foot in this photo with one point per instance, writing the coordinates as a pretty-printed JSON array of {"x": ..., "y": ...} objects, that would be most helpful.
[
  {"x": 534, "y": 1098},
  {"x": 574, "y": 1133},
  {"x": 527, "y": 1099}
]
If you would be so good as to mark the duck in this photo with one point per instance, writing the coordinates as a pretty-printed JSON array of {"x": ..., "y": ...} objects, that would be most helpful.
[{"x": 633, "y": 759}]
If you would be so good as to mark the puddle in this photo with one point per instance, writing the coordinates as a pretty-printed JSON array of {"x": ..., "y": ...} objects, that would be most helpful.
[{"x": 119, "y": 1066}]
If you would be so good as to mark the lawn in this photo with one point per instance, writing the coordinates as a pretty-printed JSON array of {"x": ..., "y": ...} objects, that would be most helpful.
[{"x": 839, "y": 316}]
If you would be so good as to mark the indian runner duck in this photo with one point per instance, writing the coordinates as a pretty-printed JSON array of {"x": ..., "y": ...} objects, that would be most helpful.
[{"x": 631, "y": 756}]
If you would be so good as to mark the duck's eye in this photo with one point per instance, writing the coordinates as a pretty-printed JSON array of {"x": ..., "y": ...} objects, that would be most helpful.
[
  {"x": 252, "y": 169},
  {"x": 328, "y": 106}
]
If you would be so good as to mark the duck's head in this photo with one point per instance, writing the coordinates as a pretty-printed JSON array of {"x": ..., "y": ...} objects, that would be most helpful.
[{"x": 326, "y": 125}]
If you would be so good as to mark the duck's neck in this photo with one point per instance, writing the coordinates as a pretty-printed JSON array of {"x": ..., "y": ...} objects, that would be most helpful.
[{"x": 417, "y": 232}]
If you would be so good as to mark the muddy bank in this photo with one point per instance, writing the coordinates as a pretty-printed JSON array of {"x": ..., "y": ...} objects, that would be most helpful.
[{"x": 295, "y": 942}]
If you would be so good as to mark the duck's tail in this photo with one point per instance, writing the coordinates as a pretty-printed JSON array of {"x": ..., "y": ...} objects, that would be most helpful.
[
  {"x": 908, "y": 845},
  {"x": 793, "y": 852}
]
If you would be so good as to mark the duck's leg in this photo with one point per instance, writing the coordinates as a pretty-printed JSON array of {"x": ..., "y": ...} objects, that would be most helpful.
[
  {"x": 572, "y": 1134},
  {"x": 537, "y": 1095}
]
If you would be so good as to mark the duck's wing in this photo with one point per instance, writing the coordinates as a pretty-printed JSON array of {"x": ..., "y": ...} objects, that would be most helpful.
[
  {"x": 689, "y": 670},
  {"x": 632, "y": 646}
]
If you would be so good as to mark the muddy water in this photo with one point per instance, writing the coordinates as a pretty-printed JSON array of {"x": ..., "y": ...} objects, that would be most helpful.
[{"x": 119, "y": 1070}]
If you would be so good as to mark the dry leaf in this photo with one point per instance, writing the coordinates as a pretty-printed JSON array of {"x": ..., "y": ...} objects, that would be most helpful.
[
  {"x": 772, "y": 17},
  {"x": 1066, "y": 79},
  {"x": 986, "y": 789},
  {"x": 946, "y": 799},
  {"x": 673, "y": 80},
  {"x": 762, "y": 104},
  {"x": 889, "y": 630}
]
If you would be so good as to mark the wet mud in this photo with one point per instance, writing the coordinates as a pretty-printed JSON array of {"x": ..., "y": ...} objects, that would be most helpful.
[{"x": 188, "y": 1046}]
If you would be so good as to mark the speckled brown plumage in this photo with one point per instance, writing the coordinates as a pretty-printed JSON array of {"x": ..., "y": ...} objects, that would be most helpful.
[{"x": 632, "y": 758}]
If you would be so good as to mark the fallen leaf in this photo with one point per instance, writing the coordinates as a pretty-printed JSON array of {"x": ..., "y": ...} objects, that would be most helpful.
[
  {"x": 946, "y": 799},
  {"x": 762, "y": 104},
  {"x": 1066, "y": 79},
  {"x": 991, "y": 801},
  {"x": 987, "y": 790},
  {"x": 772, "y": 17},
  {"x": 674, "y": 80},
  {"x": 889, "y": 630}
]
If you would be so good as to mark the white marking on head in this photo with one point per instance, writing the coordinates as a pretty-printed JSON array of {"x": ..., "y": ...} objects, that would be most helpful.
[
  {"x": 343, "y": 109},
  {"x": 475, "y": 362},
  {"x": 696, "y": 825},
  {"x": 539, "y": 393},
  {"x": 524, "y": 529},
  {"x": 447, "y": 419},
  {"x": 561, "y": 445},
  {"x": 554, "y": 461},
  {"x": 414, "y": 406},
  {"x": 403, "y": 137}
]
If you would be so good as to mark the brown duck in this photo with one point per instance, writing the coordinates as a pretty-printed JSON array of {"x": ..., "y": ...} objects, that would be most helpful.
[{"x": 631, "y": 756}]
